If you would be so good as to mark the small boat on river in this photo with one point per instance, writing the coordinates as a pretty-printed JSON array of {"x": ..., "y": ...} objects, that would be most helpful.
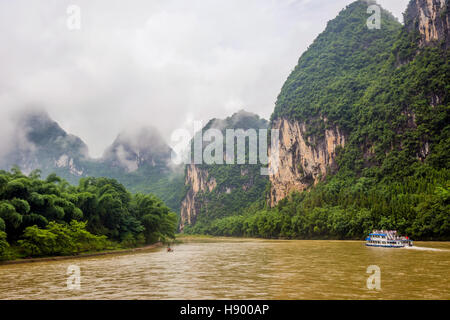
[{"x": 387, "y": 239}]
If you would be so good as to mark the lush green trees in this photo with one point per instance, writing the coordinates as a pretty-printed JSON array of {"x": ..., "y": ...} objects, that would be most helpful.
[
  {"x": 155, "y": 217},
  {"x": 165, "y": 183},
  {"x": 61, "y": 239},
  {"x": 336, "y": 69},
  {"x": 349, "y": 208},
  {"x": 3, "y": 245},
  {"x": 51, "y": 217}
]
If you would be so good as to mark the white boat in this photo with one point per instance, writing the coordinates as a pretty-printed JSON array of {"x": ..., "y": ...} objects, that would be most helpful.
[{"x": 387, "y": 239}]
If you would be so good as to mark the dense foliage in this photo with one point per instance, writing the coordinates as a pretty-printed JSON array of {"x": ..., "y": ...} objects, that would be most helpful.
[
  {"x": 237, "y": 185},
  {"x": 391, "y": 98},
  {"x": 60, "y": 239},
  {"x": 336, "y": 69},
  {"x": 234, "y": 193},
  {"x": 53, "y": 150},
  {"x": 3, "y": 244},
  {"x": 50, "y": 216},
  {"x": 165, "y": 183},
  {"x": 349, "y": 208}
]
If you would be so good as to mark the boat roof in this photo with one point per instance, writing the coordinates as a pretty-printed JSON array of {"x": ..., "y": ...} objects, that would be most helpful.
[{"x": 377, "y": 234}]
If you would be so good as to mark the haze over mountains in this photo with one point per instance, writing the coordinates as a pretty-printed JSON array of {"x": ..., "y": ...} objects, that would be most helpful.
[
  {"x": 136, "y": 148},
  {"x": 147, "y": 61},
  {"x": 364, "y": 129},
  {"x": 139, "y": 158},
  {"x": 38, "y": 142}
]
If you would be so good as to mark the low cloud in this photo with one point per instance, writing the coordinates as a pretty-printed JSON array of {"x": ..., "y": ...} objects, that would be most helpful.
[{"x": 159, "y": 63}]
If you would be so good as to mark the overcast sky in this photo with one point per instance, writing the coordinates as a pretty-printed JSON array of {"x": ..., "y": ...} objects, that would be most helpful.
[{"x": 153, "y": 62}]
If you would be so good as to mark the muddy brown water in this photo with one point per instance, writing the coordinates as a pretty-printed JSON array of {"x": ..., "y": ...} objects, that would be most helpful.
[{"x": 221, "y": 268}]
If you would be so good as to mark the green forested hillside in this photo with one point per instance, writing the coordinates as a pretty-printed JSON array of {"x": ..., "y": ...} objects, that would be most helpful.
[
  {"x": 391, "y": 98},
  {"x": 336, "y": 70},
  {"x": 237, "y": 186},
  {"x": 349, "y": 208}
]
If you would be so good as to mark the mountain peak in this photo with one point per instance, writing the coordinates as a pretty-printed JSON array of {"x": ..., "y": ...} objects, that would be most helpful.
[
  {"x": 136, "y": 147},
  {"x": 39, "y": 127},
  {"x": 239, "y": 120},
  {"x": 345, "y": 51},
  {"x": 40, "y": 143}
]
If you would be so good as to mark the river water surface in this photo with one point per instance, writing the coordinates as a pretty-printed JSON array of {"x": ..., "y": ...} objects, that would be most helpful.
[{"x": 220, "y": 268}]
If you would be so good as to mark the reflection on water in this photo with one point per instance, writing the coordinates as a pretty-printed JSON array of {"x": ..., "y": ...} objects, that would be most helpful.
[{"x": 241, "y": 269}]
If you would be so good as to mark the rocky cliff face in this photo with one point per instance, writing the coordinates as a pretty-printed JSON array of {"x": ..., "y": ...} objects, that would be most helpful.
[
  {"x": 198, "y": 181},
  {"x": 220, "y": 190},
  {"x": 431, "y": 19},
  {"x": 303, "y": 161},
  {"x": 65, "y": 161}
]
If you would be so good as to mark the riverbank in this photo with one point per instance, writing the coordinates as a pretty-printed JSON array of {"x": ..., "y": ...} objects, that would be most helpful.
[
  {"x": 181, "y": 238},
  {"x": 84, "y": 255}
]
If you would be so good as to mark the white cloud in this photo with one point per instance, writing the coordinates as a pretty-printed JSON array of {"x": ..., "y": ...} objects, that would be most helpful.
[{"x": 161, "y": 63}]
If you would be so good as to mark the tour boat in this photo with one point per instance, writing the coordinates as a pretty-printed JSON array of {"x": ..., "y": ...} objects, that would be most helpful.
[{"x": 387, "y": 239}]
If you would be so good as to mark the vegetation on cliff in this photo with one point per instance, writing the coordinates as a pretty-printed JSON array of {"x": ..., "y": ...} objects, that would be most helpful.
[
  {"x": 236, "y": 186},
  {"x": 349, "y": 208},
  {"x": 336, "y": 70},
  {"x": 391, "y": 99}
]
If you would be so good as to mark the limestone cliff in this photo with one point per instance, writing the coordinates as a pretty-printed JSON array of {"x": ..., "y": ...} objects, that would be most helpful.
[
  {"x": 303, "y": 161},
  {"x": 198, "y": 181},
  {"x": 220, "y": 190},
  {"x": 431, "y": 19},
  {"x": 317, "y": 100},
  {"x": 305, "y": 158},
  {"x": 67, "y": 162}
]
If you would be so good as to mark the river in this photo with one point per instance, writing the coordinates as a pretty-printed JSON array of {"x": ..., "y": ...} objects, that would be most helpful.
[{"x": 219, "y": 268}]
